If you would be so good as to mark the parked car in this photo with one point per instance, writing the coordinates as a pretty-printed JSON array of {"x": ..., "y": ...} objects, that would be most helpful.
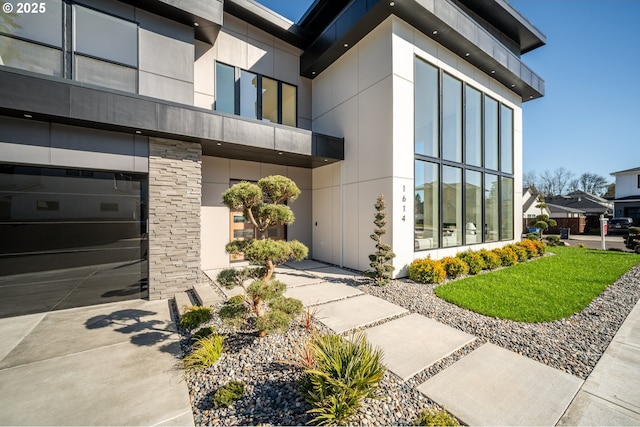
[{"x": 619, "y": 225}]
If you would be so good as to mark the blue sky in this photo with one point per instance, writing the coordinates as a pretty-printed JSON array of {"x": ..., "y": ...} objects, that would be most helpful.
[{"x": 589, "y": 118}]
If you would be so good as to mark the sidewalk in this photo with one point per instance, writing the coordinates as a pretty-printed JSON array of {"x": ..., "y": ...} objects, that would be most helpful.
[
  {"x": 490, "y": 385},
  {"x": 110, "y": 364}
]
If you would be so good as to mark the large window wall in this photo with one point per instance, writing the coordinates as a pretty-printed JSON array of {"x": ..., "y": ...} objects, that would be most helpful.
[
  {"x": 67, "y": 40},
  {"x": 255, "y": 96},
  {"x": 463, "y": 163}
]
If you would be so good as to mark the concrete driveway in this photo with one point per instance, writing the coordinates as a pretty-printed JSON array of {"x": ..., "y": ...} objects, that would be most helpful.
[{"x": 109, "y": 364}]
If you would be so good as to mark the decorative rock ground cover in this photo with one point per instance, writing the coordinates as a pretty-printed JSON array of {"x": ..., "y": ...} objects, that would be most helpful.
[{"x": 573, "y": 345}]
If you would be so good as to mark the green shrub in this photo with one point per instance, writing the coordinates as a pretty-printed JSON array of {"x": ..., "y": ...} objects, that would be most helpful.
[
  {"x": 234, "y": 311},
  {"x": 205, "y": 352},
  {"x": 508, "y": 256},
  {"x": 520, "y": 252},
  {"x": 581, "y": 245},
  {"x": 230, "y": 278},
  {"x": 430, "y": 417},
  {"x": 474, "y": 260},
  {"x": 345, "y": 372},
  {"x": 454, "y": 267},
  {"x": 291, "y": 306},
  {"x": 228, "y": 393},
  {"x": 273, "y": 321},
  {"x": 426, "y": 270},
  {"x": 634, "y": 230},
  {"x": 490, "y": 258},
  {"x": 533, "y": 236},
  {"x": 205, "y": 332},
  {"x": 195, "y": 317},
  {"x": 553, "y": 240},
  {"x": 266, "y": 290}
]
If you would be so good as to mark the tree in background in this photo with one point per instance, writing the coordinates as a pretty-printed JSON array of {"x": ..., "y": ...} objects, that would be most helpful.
[
  {"x": 589, "y": 183},
  {"x": 611, "y": 191},
  {"x": 380, "y": 261},
  {"x": 561, "y": 180},
  {"x": 542, "y": 221}
]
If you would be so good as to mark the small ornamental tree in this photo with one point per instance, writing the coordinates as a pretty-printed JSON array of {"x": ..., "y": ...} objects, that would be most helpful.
[
  {"x": 542, "y": 221},
  {"x": 264, "y": 205},
  {"x": 380, "y": 261}
]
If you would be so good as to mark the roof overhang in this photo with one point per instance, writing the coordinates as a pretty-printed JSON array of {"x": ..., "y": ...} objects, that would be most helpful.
[
  {"x": 454, "y": 28},
  {"x": 204, "y": 16}
]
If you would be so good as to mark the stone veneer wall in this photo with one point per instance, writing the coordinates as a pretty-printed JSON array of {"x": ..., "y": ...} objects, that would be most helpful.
[{"x": 175, "y": 183}]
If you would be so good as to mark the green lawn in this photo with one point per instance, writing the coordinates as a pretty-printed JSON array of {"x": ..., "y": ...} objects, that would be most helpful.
[{"x": 542, "y": 290}]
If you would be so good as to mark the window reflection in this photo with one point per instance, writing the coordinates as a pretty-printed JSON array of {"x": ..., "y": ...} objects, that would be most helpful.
[
  {"x": 451, "y": 118},
  {"x": 506, "y": 205},
  {"x": 426, "y": 110},
  {"x": 473, "y": 208},
  {"x": 269, "y": 100},
  {"x": 427, "y": 190},
  {"x": 490, "y": 133},
  {"x": 70, "y": 240},
  {"x": 491, "y": 208}
]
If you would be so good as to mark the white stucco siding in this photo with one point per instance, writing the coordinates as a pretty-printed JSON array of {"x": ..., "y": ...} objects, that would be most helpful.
[{"x": 215, "y": 218}]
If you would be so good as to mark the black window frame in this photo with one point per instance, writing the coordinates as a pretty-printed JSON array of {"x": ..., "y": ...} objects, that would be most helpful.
[
  {"x": 237, "y": 95},
  {"x": 499, "y": 173}
]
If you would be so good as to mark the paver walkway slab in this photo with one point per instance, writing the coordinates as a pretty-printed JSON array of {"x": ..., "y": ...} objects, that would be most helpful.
[
  {"x": 342, "y": 316},
  {"x": 611, "y": 394},
  {"x": 414, "y": 342},
  {"x": 494, "y": 386},
  {"x": 321, "y": 293},
  {"x": 333, "y": 273},
  {"x": 306, "y": 264},
  {"x": 293, "y": 278}
]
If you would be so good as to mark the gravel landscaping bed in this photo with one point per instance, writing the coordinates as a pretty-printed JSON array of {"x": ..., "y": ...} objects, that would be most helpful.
[{"x": 573, "y": 345}]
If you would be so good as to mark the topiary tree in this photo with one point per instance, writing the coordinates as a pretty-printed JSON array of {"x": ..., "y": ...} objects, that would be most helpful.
[
  {"x": 542, "y": 221},
  {"x": 264, "y": 205},
  {"x": 380, "y": 261}
]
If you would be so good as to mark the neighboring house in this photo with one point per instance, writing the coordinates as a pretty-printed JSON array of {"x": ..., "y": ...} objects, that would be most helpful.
[
  {"x": 123, "y": 122},
  {"x": 627, "y": 201},
  {"x": 581, "y": 202}
]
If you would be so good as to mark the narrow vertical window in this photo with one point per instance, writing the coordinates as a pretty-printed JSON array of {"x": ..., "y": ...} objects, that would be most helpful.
[
  {"x": 473, "y": 127},
  {"x": 426, "y": 109},
  {"x": 506, "y": 139},
  {"x": 473, "y": 207},
  {"x": 289, "y": 107},
  {"x": 426, "y": 202},
  {"x": 451, "y": 118},
  {"x": 452, "y": 227},
  {"x": 269, "y": 95},
  {"x": 225, "y": 88},
  {"x": 490, "y": 133},
  {"x": 491, "y": 208},
  {"x": 248, "y": 94},
  {"x": 506, "y": 205}
]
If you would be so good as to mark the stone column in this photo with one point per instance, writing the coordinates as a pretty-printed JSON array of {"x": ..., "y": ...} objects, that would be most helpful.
[{"x": 175, "y": 182}]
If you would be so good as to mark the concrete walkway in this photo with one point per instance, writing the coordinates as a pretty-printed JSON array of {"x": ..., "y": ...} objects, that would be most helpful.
[
  {"x": 490, "y": 385},
  {"x": 110, "y": 364}
]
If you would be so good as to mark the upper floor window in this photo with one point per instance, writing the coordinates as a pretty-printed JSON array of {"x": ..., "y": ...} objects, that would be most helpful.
[
  {"x": 95, "y": 48},
  {"x": 105, "y": 50},
  {"x": 33, "y": 41},
  {"x": 255, "y": 96}
]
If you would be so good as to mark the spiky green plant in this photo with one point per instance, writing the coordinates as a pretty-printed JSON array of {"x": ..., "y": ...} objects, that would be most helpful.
[
  {"x": 205, "y": 352},
  {"x": 344, "y": 373}
]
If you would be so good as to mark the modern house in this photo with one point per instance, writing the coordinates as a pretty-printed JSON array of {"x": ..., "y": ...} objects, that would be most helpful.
[
  {"x": 122, "y": 123},
  {"x": 627, "y": 201}
]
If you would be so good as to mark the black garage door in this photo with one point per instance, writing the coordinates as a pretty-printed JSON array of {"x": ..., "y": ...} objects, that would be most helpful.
[{"x": 70, "y": 238}]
